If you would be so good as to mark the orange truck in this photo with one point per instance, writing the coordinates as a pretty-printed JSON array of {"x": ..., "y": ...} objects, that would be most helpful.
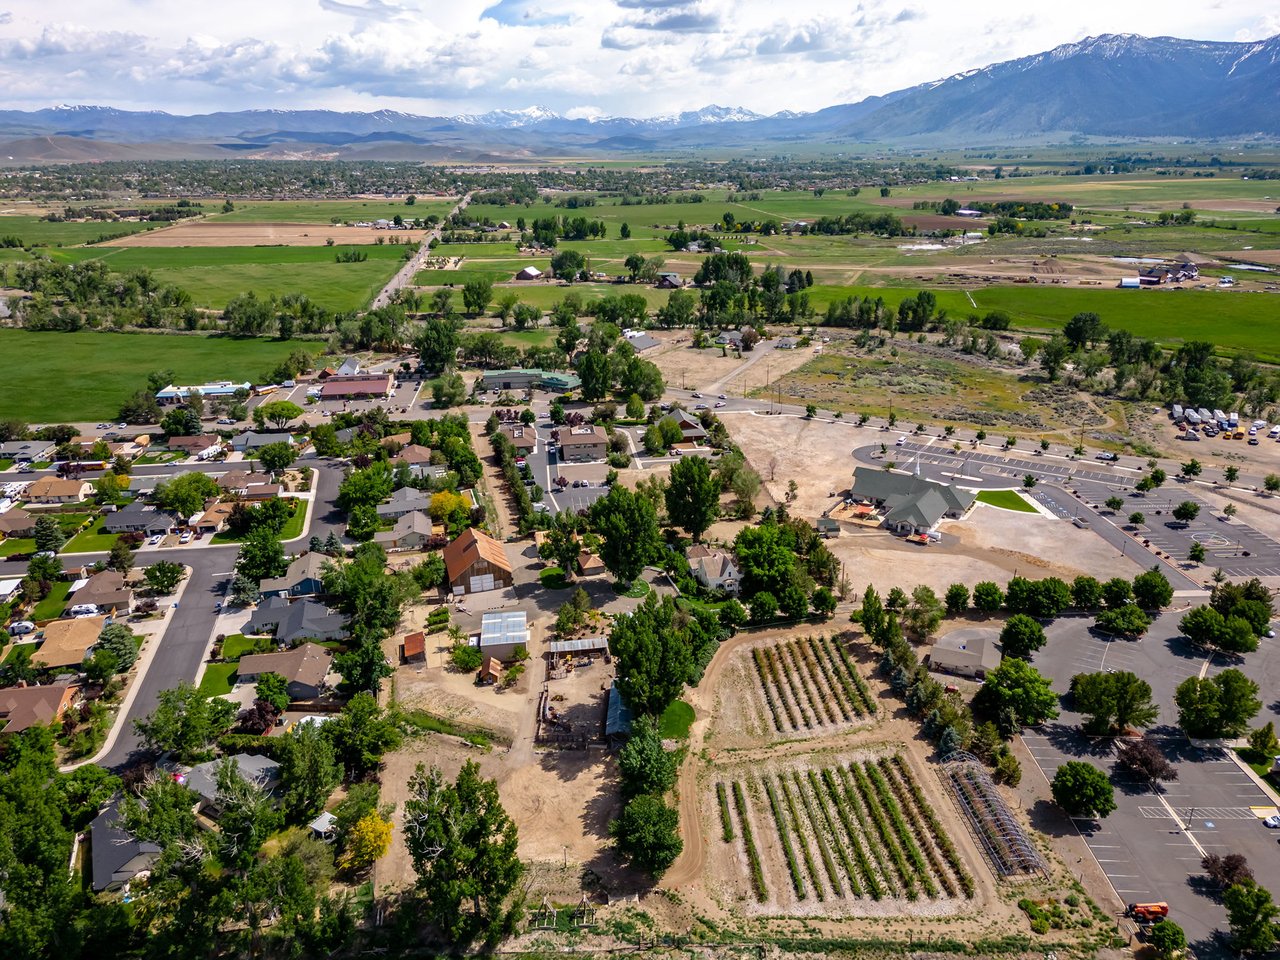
[{"x": 1148, "y": 912}]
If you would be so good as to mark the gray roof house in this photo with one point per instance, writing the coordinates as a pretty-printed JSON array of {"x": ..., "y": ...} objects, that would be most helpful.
[
  {"x": 202, "y": 779},
  {"x": 411, "y": 532},
  {"x": 304, "y": 578},
  {"x": 27, "y": 451},
  {"x": 691, "y": 428},
  {"x": 714, "y": 569},
  {"x": 304, "y": 669},
  {"x": 300, "y": 620},
  {"x": 135, "y": 517},
  {"x": 404, "y": 501},
  {"x": 729, "y": 338},
  {"x": 117, "y": 856},
  {"x": 911, "y": 504},
  {"x": 251, "y": 441},
  {"x": 966, "y": 653}
]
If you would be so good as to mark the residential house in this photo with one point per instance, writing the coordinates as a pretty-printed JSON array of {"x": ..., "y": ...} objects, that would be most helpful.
[
  {"x": 136, "y": 517},
  {"x": 202, "y": 779},
  {"x": 584, "y": 443},
  {"x": 691, "y": 428},
  {"x": 215, "y": 517},
  {"x": 17, "y": 523},
  {"x": 304, "y": 669},
  {"x": 27, "y": 451},
  {"x": 404, "y": 501},
  {"x": 911, "y": 504},
  {"x": 300, "y": 620},
  {"x": 418, "y": 459},
  {"x": 304, "y": 578},
  {"x": 641, "y": 341},
  {"x": 251, "y": 441},
  {"x": 965, "y": 655},
  {"x": 350, "y": 367},
  {"x": 413, "y": 531},
  {"x": 202, "y": 446},
  {"x": 358, "y": 387},
  {"x": 10, "y": 588},
  {"x": 787, "y": 343},
  {"x": 669, "y": 281},
  {"x": 476, "y": 562},
  {"x": 501, "y": 632},
  {"x": 67, "y": 642},
  {"x": 108, "y": 591},
  {"x": 258, "y": 492},
  {"x": 239, "y": 481},
  {"x": 117, "y": 856},
  {"x": 24, "y": 707},
  {"x": 396, "y": 440},
  {"x": 729, "y": 338},
  {"x": 523, "y": 438},
  {"x": 53, "y": 490},
  {"x": 413, "y": 649},
  {"x": 714, "y": 569}
]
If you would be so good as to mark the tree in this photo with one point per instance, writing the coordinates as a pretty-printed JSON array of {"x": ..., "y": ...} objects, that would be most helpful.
[
  {"x": 654, "y": 658},
  {"x": 1082, "y": 790},
  {"x": 629, "y": 526},
  {"x": 766, "y": 560},
  {"x": 987, "y": 597},
  {"x": 823, "y": 602},
  {"x": 1084, "y": 330},
  {"x": 437, "y": 345},
  {"x": 1143, "y": 758},
  {"x": 1271, "y": 482},
  {"x": 1021, "y": 636},
  {"x": 477, "y": 294},
  {"x": 1206, "y": 627},
  {"x": 1151, "y": 590},
  {"x": 163, "y": 576},
  {"x": 1264, "y": 741},
  {"x": 1053, "y": 355},
  {"x": 279, "y": 413},
  {"x": 120, "y": 559},
  {"x": 1113, "y": 702},
  {"x": 1114, "y": 504},
  {"x": 1086, "y": 592},
  {"x": 645, "y": 767},
  {"x": 693, "y": 495},
  {"x": 247, "y": 815},
  {"x": 957, "y": 599},
  {"x": 924, "y": 613},
  {"x": 361, "y": 734},
  {"x": 872, "y": 613},
  {"x": 1214, "y": 707},
  {"x": 464, "y": 849},
  {"x": 186, "y": 494},
  {"x": 1186, "y": 511},
  {"x": 186, "y": 721},
  {"x": 1166, "y": 939},
  {"x": 1251, "y": 916},
  {"x": 648, "y": 834},
  {"x": 1128, "y": 620},
  {"x": 274, "y": 689},
  {"x": 1196, "y": 553},
  {"x": 119, "y": 641},
  {"x": 1191, "y": 469},
  {"x": 1227, "y": 871},
  {"x": 309, "y": 770},
  {"x": 1231, "y": 474},
  {"x": 366, "y": 842},
  {"x": 1137, "y": 518},
  {"x": 1017, "y": 688},
  {"x": 261, "y": 556},
  {"x": 1117, "y": 592},
  {"x": 567, "y": 265},
  {"x": 48, "y": 535},
  {"x": 276, "y": 457}
]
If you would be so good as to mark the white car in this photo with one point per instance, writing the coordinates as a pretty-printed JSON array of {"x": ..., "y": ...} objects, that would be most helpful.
[
  {"x": 155, "y": 539},
  {"x": 186, "y": 537},
  {"x": 1272, "y": 822},
  {"x": 723, "y": 397},
  {"x": 719, "y": 404},
  {"x": 901, "y": 441},
  {"x": 225, "y": 420}
]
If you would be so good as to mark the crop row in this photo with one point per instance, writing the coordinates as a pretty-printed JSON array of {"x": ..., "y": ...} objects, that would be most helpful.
[
  {"x": 866, "y": 795},
  {"x": 762, "y": 670},
  {"x": 918, "y": 803},
  {"x": 812, "y": 682},
  {"x": 849, "y": 673},
  {"x": 784, "y": 836},
  {"x": 726, "y": 820},
  {"x": 749, "y": 840},
  {"x": 904, "y": 834}
]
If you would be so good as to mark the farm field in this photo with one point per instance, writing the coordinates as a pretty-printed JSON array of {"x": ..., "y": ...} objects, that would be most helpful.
[
  {"x": 810, "y": 686},
  {"x": 326, "y": 211},
  {"x": 208, "y": 233},
  {"x": 96, "y": 372},
  {"x": 34, "y": 230}
]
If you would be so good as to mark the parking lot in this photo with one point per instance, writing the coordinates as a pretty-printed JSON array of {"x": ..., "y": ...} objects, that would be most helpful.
[{"x": 1151, "y": 846}]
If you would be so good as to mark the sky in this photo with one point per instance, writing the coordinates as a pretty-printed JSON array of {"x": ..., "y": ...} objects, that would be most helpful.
[{"x": 580, "y": 58}]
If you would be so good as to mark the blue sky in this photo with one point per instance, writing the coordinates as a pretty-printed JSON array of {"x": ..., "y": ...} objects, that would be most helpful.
[{"x": 578, "y": 57}]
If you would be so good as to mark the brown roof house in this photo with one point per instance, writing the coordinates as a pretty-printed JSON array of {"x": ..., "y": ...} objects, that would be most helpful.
[
  {"x": 107, "y": 591},
  {"x": 24, "y": 707},
  {"x": 418, "y": 459},
  {"x": 583, "y": 443},
  {"x": 476, "y": 562},
  {"x": 522, "y": 438},
  {"x": 590, "y": 565},
  {"x": 303, "y": 668},
  {"x": 239, "y": 481},
  {"x": 202, "y": 446},
  {"x": 215, "y": 517},
  {"x": 17, "y": 523},
  {"x": 714, "y": 569},
  {"x": 411, "y": 532},
  {"x": 53, "y": 490},
  {"x": 68, "y": 642}
]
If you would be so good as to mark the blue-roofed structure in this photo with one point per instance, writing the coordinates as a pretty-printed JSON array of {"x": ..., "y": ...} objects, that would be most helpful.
[{"x": 618, "y": 718}]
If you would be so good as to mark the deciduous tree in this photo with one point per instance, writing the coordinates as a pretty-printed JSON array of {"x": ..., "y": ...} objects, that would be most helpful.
[{"x": 1082, "y": 790}]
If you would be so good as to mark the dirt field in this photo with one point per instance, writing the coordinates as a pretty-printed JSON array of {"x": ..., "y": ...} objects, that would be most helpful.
[
  {"x": 206, "y": 234},
  {"x": 707, "y": 370}
]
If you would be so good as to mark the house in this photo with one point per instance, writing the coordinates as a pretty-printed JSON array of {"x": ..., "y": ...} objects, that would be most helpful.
[
  {"x": 303, "y": 668},
  {"x": 580, "y": 444},
  {"x": 417, "y": 458},
  {"x": 669, "y": 281},
  {"x": 396, "y": 441},
  {"x": 911, "y": 505},
  {"x": 359, "y": 387},
  {"x": 300, "y": 620},
  {"x": 239, "y": 481},
  {"x": 414, "y": 648},
  {"x": 24, "y": 707},
  {"x": 641, "y": 341},
  {"x": 324, "y": 827},
  {"x": 714, "y": 569},
  {"x": 476, "y": 562},
  {"x": 138, "y": 518},
  {"x": 729, "y": 338},
  {"x": 966, "y": 653},
  {"x": 787, "y": 343},
  {"x": 349, "y": 367},
  {"x": 251, "y": 441},
  {"x": 501, "y": 632},
  {"x": 590, "y": 565},
  {"x": 413, "y": 531},
  {"x": 691, "y": 428},
  {"x": 404, "y": 501},
  {"x": 107, "y": 591},
  {"x": 202, "y": 779},
  {"x": 215, "y": 517},
  {"x": 304, "y": 578},
  {"x": 17, "y": 523},
  {"x": 258, "y": 492},
  {"x": 220, "y": 388},
  {"x": 827, "y": 528},
  {"x": 116, "y": 855},
  {"x": 202, "y": 446},
  {"x": 27, "y": 451},
  {"x": 528, "y": 273},
  {"x": 523, "y": 438},
  {"x": 53, "y": 490},
  {"x": 528, "y": 380},
  {"x": 67, "y": 642},
  {"x": 10, "y": 588}
]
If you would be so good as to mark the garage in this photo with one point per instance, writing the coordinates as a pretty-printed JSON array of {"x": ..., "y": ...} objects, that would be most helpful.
[{"x": 481, "y": 583}]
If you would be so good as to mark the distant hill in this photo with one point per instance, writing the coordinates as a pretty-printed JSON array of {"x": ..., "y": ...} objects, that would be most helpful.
[{"x": 1108, "y": 86}]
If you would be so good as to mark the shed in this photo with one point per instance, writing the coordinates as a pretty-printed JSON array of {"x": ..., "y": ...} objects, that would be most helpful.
[
  {"x": 490, "y": 672},
  {"x": 529, "y": 273},
  {"x": 563, "y": 648},
  {"x": 617, "y": 724},
  {"x": 414, "y": 648},
  {"x": 502, "y": 631}
]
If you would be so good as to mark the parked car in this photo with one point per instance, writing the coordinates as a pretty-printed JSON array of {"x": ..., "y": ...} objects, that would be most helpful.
[
  {"x": 901, "y": 440},
  {"x": 1272, "y": 822},
  {"x": 225, "y": 420},
  {"x": 1107, "y": 457},
  {"x": 186, "y": 537},
  {"x": 20, "y": 628},
  {"x": 45, "y": 553},
  {"x": 155, "y": 539}
]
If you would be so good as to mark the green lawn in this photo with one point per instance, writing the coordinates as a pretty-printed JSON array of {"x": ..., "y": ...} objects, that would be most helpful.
[
  {"x": 675, "y": 721},
  {"x": 33, "y": 230},
  {"x": 217, "y": 678},
  {"x": 337, "y": 286},
  {"x": 151, "y": 459},
  {"x": 123, "y": 259},
  {"x": 292, "y": 528},
  {"x": 1006, "y": 500},
  {"x": 51, "y": 607},
  {"x": 11, "y": 545},
  {"x": 97, "y": 372},
  {"x": 236, "y": 646},
  {"x": 553, "y": 578},
  {"x": 92, "y": 540}
]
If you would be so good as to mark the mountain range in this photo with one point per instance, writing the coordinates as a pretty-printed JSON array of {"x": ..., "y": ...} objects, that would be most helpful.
[{"x": 1111, "y": 86}]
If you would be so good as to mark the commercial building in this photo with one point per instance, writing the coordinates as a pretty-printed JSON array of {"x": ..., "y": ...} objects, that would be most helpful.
[
  {"x": 529, "y": 380},
  {"x": 501, "y": 632},
  {"x": 581, "y": 444},
  {"x": 358, "y": 387},
  {"x": 910, "y": 504},
  {"x": 220, "y": 388}
]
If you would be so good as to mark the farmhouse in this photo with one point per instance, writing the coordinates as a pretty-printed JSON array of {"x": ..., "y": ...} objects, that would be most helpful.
[
  {"x": 501, "y": 632},
  {"x": 403, "y": 501},
  {"x": 303, "y": 668},
  {"x": 300, "y": 620},
  {"x": 714, "y": 569},
  {"x": 911, "y": 505},
  {"x": 730, "y": 338},
  {"x": 53, "y": 490},
  {"x": 584, "y": 443},
  {"x": 17, "y": 523},
  {"x": 139, "y": 518},
  {"x": 117, "y": 856},
  {"x": 107, "y": 591},
  {"x": 357, "y": 387},
  {"x": 476, "y": 562},
  {"x": 67, "y": 642},
  {"x": 641, "y": 341},
  {"x": 304, "y": 578},
  {"x": 411, "y": 532},
  {"x": 966, "y": 653},
  {"x": 24, "y": 707}
]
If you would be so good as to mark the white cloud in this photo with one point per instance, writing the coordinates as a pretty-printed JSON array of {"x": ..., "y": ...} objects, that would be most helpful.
[{"x": 594, "y": 57}]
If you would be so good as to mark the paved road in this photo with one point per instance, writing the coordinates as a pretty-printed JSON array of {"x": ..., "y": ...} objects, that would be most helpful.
[{"x": 404, "y": 276}]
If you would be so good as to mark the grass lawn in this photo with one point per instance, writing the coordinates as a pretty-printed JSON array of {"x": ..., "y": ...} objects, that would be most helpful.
[
  {"x": 292, "y": 527},
  {"x": 11, "y": 545},
  {"x": 236, "y": 646},
  {"x": 675, "y": 721},
  {"x": 553, "y": 579},
  {"x": 151, "y": 459},
  {"x": 1006, "y": 500},
  {"x": 38, "y": 231},
  {"x": 338, "y": 286},
  {"x": 637, "y": 589},
  {"x": 217, "y": 678},
  {"x": 51, "y": 607},
  {"x": 93, "y": 540},
  {"x": 5, "y": 463},
  {"x": 97, "y": 372}
]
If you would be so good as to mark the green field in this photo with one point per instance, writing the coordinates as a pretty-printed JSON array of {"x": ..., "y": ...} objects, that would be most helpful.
[
  {"x": 325, "y": 211},
  {"x": 51, "y": 607},
  {"x": 87, "y": 376},
  {"x": 33, "y": 230},
  {"x": 1006, "y": 500},
  {"x": 123, "y": 259},
  {"x": 92, "y": 540}
]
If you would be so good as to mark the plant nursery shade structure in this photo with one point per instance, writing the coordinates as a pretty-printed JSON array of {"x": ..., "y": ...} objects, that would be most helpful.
[{"x": 999, "y": 833}]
